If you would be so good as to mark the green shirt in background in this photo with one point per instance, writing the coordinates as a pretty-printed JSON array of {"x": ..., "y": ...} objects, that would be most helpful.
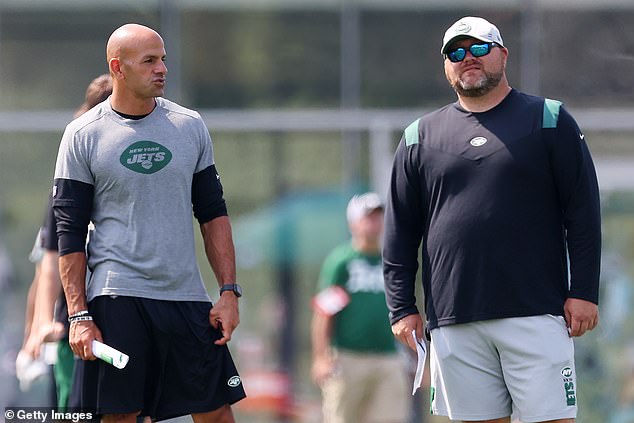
[{"x": 363, "y": 325}]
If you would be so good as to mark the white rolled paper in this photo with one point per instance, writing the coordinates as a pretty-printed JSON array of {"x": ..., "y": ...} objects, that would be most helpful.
[{"x": 109, "y": 354}]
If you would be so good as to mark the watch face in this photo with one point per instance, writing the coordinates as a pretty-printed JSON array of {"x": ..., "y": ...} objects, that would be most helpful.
[{"x": 237, "y": 289}]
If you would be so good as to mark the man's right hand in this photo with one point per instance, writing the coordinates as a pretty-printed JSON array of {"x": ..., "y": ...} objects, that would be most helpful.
[
  {"x": 225, "y": 316},
  {"x": 80, "y": 337},
  {"x": 403, "y": 328}
]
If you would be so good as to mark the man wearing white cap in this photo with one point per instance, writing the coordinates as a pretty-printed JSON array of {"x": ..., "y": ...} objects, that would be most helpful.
[
  {"x": 501, "y": 190},
  {"x": 354, "y": 354}
]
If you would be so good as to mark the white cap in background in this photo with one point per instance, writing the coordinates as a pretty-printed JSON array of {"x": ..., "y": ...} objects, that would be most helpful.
[{"x": 362, "y": 205}]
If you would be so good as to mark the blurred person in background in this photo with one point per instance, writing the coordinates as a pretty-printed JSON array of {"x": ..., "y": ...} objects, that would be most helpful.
[
  {"x": 50, "y": 323},
  {"x": 355, "y": 360},
  {"x": 30, "y": 366},
  {"x": 136, "y": 165},
  {"x": 501, "y": 189}
]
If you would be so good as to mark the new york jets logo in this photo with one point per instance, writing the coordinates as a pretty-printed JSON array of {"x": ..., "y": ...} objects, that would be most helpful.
[
  {"x": 569, "y": 386},
  {"x": 145, "y": 157},
  {"x": 478, "y": 141},
  {"x": 234, "y": 381},
  {"x": 566, "y": 372},
  {"x": 463, "y": 27}
]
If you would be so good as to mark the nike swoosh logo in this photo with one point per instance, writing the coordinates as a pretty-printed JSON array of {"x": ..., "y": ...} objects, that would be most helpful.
[{"x": 582, "y": 136}]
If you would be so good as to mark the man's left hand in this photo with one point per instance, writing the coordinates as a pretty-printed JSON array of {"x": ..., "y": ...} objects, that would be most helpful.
[
  {"x": 225, "y": 316},
  {"x": 581, "y": 316}
]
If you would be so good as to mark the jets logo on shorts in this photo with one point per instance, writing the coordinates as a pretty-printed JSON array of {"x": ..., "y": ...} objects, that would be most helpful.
[
  {"x": 478, "y": 141},
  {"x": 145, "y": 157},
  {"x": 569, "y": 386},
  {"x": 234, "y": 381}
]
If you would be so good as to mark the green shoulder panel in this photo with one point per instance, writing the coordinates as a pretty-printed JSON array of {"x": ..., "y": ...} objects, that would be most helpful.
[
  {"x": 551, "y": 113},
  {"x": 411, "y": 133}
]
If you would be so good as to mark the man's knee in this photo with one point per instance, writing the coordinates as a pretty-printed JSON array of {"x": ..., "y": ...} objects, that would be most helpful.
[
  {"x": 220, "y": 415},
  {"x": 120, "y": 418}
]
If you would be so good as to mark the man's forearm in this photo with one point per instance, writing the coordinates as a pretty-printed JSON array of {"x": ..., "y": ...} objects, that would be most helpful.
[
  {"x": 72, "y": 269},
  {"x": 48, "y": 288},
  {"x": 30, "y": 304},
  {"x": 219, "y": 249},
  {"x": 321, "y": 328}
]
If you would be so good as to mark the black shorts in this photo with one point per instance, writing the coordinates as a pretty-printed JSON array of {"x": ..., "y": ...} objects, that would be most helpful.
[{"x": 174, "y": 369}]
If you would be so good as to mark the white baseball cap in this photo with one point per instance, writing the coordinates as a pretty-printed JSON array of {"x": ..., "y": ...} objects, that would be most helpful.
[
  {"x": 363, "y": 205},
  {"x": 474, "y": 27}
]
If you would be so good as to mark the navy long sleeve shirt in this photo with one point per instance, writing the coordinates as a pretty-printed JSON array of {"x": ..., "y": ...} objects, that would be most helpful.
[{"x": 499, "y": 200}]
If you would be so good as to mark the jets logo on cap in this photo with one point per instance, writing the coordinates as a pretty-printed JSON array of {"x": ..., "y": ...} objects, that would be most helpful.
[{"x": 463, "y": 27}]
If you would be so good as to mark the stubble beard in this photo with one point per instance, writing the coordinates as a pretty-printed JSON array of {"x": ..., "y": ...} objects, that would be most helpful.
[{"x": 479, "y": 88}]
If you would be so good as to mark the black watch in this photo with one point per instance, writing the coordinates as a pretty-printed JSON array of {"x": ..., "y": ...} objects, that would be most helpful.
[{"x": 233, "y": 287}]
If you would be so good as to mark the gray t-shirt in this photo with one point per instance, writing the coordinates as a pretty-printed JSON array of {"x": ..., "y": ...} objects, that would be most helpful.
[{"x": 141, "y": 171}]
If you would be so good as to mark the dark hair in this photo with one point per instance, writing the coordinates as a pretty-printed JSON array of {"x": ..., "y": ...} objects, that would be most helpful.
[{"x": 98, "y": 90}]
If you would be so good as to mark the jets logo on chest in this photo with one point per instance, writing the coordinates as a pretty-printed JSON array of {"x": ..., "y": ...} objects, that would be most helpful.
[
  {"x": 145, "y": 157},
  {"x": 478, "y": 141}
]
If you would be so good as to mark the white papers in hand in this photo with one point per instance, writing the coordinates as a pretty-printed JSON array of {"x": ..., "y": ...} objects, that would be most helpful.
[{"x": 421, "y": 352}]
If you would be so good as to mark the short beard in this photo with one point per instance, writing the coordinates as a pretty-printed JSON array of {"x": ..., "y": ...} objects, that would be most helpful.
[{"x": 480, "y": 88}]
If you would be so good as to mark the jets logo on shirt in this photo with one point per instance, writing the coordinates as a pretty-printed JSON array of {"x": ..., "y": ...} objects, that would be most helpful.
[
  {"x": 478, "y": 141},
  {"x": 145, "y": 157},
  {"x": 364, "y": 277}
]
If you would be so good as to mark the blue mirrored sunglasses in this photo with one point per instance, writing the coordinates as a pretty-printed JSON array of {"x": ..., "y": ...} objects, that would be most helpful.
[{"x": 477, "y": 50}]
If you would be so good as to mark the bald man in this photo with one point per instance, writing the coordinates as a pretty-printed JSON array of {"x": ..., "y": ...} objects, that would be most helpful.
[{"x": 137, "y": 165}]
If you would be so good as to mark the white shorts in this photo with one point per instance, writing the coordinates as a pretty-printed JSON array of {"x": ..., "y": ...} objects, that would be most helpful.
[{"x": 485, "y": 370}]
